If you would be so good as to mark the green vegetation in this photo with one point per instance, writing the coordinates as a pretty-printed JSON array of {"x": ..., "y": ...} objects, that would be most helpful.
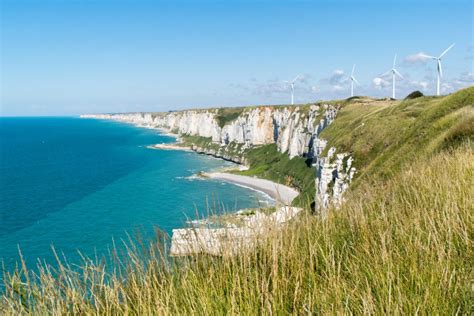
[
  {"x": 404, "y": 248},
  {"x": 383, "y": 136},
  {"x": 203, "y": 142},
  {"x": 226, "y": 115},
  {"x": 414, "y": 95},
  {"x": 401, "y": 243},
  {"x": 268, "y": 163},
  {"x": 232, "y": 149}
]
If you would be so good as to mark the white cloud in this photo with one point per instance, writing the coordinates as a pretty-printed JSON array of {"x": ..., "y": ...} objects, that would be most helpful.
[
  {"x": 464, "y": 80},
  {"x": 315, "y": 89},
  {"x": 466, "y": 77},
  {"x": 421, "y": 84},
  {"x": 417, "y": 58},
  {"x": 446, "y": 87},
  {"x": 304, "y": 78},
  {"x": 337, "y": 88},
  {"x": 338, "y": 77},
  {"x": 270, "y": 87},
  {"x": 380, "y": 83},
  {"x": 275, "y": 87},
  {"x": 336, "y": 81}
]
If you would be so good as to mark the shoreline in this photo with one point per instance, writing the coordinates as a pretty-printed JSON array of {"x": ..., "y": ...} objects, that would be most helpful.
[
  {"x": 269, "y": 189},
  {"x": 172, "y": 146},
  {"x": 278, "y": 192}
]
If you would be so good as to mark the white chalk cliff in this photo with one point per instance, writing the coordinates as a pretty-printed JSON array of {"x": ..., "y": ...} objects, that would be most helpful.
[{"x": 295, "y": 130}]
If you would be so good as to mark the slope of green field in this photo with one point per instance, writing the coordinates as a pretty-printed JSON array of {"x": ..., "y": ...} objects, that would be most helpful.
[
  {"x": 404, "y": 246},
  {"x": 401, "y": 243},
  {"x": 383, "y": 136}
]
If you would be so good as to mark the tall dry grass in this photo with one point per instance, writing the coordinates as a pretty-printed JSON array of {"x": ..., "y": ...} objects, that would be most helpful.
[{"x": 404, "y": 246}]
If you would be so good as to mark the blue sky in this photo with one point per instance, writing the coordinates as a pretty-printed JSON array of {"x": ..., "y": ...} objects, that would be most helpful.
[{"x": 70, "y": 57}]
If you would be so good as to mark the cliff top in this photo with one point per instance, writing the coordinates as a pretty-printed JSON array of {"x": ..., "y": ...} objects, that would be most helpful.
[{"x": 383, "y": 135}]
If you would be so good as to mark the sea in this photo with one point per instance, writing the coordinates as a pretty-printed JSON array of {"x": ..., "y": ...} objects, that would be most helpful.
[{"x": 84, "y": 186}]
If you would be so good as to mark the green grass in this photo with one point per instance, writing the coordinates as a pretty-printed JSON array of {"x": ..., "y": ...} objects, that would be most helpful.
[
  {"x": 268, "y": 163},
  {"x": 402, "y": 246},
  {"x": 401, "y": 243},
  {"x": 383, "y": 136},
  {"x": 232, "y": 149},
  {"x": 204, "y": 142},
  {"x": 227, "y": 115}
]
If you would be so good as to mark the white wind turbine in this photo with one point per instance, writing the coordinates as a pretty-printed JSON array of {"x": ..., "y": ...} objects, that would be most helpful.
[
  {"x": 353, "y": 79},
  {"x": 292, "y": 84},
  {"x": 394, "y": 73},
  {"x": 440, "y": 70}
]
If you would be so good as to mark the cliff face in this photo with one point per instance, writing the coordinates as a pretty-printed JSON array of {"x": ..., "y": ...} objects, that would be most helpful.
[
  {"x": 290, "y": 128},
  {"x": 295, "y": 131}
]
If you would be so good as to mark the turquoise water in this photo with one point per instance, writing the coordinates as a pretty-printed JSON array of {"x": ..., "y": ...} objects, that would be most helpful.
[{"x": 78, "y": 184}]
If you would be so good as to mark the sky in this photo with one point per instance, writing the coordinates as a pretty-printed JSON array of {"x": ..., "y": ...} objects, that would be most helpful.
[{"x": 68, "y": 57}]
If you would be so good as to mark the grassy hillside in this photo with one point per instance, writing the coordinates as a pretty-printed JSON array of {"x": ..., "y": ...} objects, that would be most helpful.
[
  {"x": 401, "y": 243},
  {"x": 402, "y": 248},
  {"x": 267, "y": 162},
  {"x": 383, "y": 136}
]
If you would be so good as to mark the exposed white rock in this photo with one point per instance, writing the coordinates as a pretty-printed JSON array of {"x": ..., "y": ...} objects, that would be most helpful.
[
  {"x": 229, "y": 240},
  {"x": 332, "y": 172},
  {"x": 295, "y": 131},
  {"x": 292, "y": 131}
]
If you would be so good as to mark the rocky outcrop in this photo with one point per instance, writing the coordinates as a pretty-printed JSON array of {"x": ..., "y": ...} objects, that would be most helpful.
[
  {"x": 295, "y": 130},
  {"x": 291, "y": 128},
  {"x": 334, "y": 173},
  {"x": 231, "y": 239},
  {"x": 222, "y": 152}
]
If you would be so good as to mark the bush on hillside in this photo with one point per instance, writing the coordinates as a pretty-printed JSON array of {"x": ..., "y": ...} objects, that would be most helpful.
[{"x": 414, "y": 95}]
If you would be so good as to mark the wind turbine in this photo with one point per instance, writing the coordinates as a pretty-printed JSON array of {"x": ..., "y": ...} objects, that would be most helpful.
[
  {"x": 292, "y": 84},
  {"x": 440, "y": 70},
  {"x": 394, "y": 73},
  {"x": 353, "y": 79}
]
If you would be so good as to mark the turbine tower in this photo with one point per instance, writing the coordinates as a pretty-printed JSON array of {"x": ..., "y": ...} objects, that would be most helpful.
[
  {"x": 292, "y": 85},
  {"x": 440, "y": 70},
  {"x": 353, "y": 79},
  {"x": 394, "y": 73}
]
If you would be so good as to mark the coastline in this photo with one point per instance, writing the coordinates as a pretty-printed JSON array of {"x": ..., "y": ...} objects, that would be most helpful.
[
  {"x": 279, "y": 192},
  {"x": 173, "y": 146}
]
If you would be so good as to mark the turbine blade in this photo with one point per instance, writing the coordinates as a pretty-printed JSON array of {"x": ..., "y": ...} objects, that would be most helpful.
[
  {"x": 394, "y": 61},
  {"x": 427, "y": 56},
  {"x": 440, "y": 69},
  {"x": 386, "y": 73},
  {"x": 397, "y": 73},
  {"x": 447, "y": 49},
  {"x": 296, "y": 78},
  {"x": 353, "y": 68},
  {"x": 355, "y": 80}
]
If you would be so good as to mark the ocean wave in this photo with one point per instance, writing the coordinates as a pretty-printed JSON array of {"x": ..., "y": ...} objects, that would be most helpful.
[{"x": 191, "y": 177}]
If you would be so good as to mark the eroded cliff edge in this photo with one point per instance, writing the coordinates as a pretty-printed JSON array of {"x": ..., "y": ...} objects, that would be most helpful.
[
  {"x": 231, "y": 133},
  {"x": 321, "y": 149}
]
